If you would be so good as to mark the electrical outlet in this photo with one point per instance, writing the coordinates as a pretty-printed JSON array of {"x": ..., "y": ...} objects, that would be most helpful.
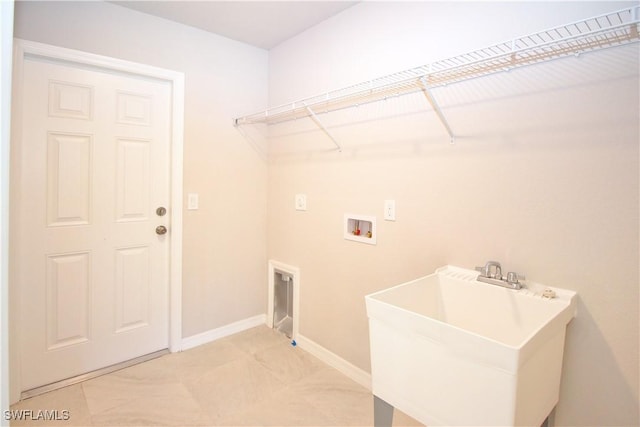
[
  {"x": 390, "y": 210},
  {"x": 301, "y": 202}
]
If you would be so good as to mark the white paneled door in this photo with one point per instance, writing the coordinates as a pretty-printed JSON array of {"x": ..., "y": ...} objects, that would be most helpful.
[{"x": 94, "y": 169}]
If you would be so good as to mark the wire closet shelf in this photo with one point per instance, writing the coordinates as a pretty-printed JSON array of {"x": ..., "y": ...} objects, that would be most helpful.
[{"x": 608, "y": 30}]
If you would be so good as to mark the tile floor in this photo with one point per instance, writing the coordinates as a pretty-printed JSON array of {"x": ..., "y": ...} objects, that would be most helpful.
[{"x": 254, "y": 378}]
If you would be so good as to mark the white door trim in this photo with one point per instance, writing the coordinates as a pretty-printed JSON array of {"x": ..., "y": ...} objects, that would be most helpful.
[
  {"x": 6, "y": 61},
  {"x": 24, "y": 48}
]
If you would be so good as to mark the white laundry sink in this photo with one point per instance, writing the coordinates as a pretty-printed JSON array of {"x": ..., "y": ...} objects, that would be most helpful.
[{"x": 449, "y": 350}]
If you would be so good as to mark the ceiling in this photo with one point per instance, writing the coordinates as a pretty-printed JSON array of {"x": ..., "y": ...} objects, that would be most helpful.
[{"x": 263, "y": 24}]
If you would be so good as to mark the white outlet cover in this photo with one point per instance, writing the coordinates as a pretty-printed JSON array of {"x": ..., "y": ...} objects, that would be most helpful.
[
  {"x": 390, "y": 210},
  {"x": 301, "y": 202}
]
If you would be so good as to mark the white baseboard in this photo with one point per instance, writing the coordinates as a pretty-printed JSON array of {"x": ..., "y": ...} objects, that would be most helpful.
[
  {"x": 358, "y": 375},
  {"x": 223, "y": 331}
]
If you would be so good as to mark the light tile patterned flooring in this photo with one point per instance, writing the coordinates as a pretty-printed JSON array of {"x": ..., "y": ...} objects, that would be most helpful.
[{"x": 254, "y": 378}]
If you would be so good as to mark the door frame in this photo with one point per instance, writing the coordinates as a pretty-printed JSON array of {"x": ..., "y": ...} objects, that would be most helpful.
[{"x": 24, "y": 49}]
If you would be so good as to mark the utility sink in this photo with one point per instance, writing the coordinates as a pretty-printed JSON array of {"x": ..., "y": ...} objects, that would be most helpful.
[{"x": 449, "y": 350}]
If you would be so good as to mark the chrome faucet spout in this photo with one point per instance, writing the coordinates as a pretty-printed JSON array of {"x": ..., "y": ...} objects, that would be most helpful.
[
  {"x": 492, "y": 273},
  {"x": 497, "y": 268}
]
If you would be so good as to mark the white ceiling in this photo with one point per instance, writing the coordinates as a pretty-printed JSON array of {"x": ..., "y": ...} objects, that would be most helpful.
[{"x": 264, "y": 24}]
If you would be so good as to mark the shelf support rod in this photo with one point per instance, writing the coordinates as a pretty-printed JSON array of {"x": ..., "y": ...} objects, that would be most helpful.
[
  {"x": 434, "y": 104},
  {"x": 322, "y": 126}
]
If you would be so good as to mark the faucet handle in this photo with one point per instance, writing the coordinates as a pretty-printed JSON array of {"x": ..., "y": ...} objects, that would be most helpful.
[{"x": 513, "y": 277}]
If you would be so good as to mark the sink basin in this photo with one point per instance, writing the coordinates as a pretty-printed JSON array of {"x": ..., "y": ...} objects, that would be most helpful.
[{"x": 449, "y": 350}]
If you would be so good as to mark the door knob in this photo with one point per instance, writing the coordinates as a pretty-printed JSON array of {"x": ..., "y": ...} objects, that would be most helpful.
[
  {"x": 161, "y": 211},
  {"x": 161, "y": 229}
]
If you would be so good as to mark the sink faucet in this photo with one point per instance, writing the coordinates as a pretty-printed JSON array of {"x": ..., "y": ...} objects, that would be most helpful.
[
  {"x": 497, "y": 268},
  {"x": 492, "y": 273}
]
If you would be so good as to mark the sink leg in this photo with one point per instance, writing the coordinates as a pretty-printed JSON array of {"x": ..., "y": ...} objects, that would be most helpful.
[
  {"x": 550, "y": 420},
  {"x": 382, "y": 413}
]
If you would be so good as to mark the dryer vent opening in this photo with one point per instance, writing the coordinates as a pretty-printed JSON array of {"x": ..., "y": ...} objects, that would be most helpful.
[{"x": 283, "y": 302}]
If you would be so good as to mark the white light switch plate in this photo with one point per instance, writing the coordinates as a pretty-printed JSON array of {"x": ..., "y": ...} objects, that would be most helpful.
[{"x": 192, "y": 201}]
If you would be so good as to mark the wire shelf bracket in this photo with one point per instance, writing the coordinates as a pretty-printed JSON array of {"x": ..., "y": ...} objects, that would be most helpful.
[
  {"x": 612, "y": 29},
  {"x": 436, "y": 107},
  {"x": 318, "y": 122}
]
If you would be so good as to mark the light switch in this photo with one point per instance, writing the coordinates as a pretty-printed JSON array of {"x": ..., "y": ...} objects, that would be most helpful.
[
  {"x": 390, "y": 210},
  {"x": 301, "y": 202},
  {"x": 192, "y": 201}
]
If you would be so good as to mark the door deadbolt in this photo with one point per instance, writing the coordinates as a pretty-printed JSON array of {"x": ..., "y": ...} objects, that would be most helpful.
[
  {"x": 161, "y": 211},
  {"x": 161, "y": 229}
]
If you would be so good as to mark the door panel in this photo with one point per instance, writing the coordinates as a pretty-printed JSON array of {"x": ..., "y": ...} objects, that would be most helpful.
[
  {"x": 134, "y": 108},
  {"x": 68, "y": 179},
  {"x": 68, "y": 300},
  {"x": 70, "y": 100},
  {"x": 133, "y": 180},
  {"x": 132, "y": 288},
  {"x": 94, "y": 166}
]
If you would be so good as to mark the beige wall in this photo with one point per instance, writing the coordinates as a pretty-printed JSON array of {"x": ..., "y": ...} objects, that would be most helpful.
[
  {"x": 544, "y": 177},
  {"x": 224, "y": 265}
]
